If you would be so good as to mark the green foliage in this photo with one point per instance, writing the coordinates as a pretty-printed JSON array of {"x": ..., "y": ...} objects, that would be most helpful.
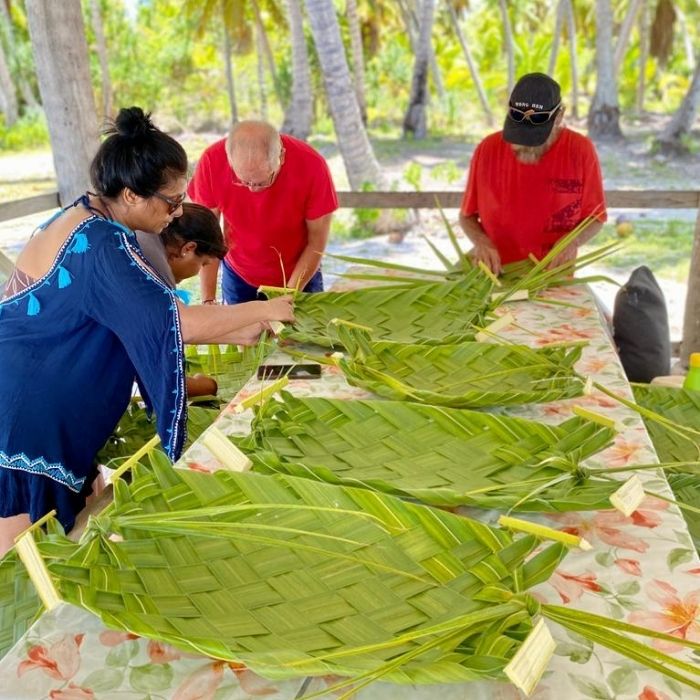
[
  {"x": 30, "y": 131},
  {"x": 667, "y": 243},
  {"x": 413, "y": 175}
]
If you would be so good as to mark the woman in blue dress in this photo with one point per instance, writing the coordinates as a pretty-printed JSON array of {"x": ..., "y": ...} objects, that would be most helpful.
[{"x": 84, "y": 315}]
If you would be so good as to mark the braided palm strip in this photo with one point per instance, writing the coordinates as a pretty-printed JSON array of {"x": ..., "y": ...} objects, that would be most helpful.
[
  {"x": 440, "y": 456},
  {"x": 462, "y": 375},
  {"x": 428, "y": 313},
  {"x": 282, "y": 573}
]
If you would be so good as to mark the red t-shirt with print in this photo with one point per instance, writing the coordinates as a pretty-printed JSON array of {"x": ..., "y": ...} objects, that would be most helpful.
[
  {"x": 266, "y": 230},
  {"x": 526, "y": 208}
]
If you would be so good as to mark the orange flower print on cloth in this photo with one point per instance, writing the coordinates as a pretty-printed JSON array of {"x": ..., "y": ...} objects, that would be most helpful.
[
  {"x": 565, "y": 333},
  {"x": 608, "y": 526},
  {"x": 650, "y": 693},
  {"x": 202, "y": 683},
  {"x": 112, "y": 638},
  {"x": 573, "y": 586},
  {"x": 250, "y": 682},
  {"x": 629, "y": 566},
  {"x": 72, "y": 692},
  {"x": 60, "y": 660},
  {"x": 679, "y": 615},
  {"x": 624, "y": 452}
]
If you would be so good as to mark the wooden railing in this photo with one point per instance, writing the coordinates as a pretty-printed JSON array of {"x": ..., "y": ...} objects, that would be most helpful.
[{"x": 619, "y": 199}]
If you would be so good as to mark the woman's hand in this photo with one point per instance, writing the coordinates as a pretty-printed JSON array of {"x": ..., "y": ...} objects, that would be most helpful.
[{"x": 280, "y": 309}]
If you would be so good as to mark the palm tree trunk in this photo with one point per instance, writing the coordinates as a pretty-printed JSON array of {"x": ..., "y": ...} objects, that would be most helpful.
[
  {"x": 604, "y": 113},
  {"x": 671, "y": 138},
  {"x": 8, "y": 94},
  {"x": 644, "y": 27},
  {"x": 691, "y": 319},
  {"x": 573, "y": 60},
  {"x": 473, "y": 70},
  {"x": 407, "y": 10},
  {"x": 21, "y": 78},
  {"x": 508, "y": 43},
  {"x": 360, "y": 163},
  {"x": 98, "y": 28},
  {"x": 415, "y": 122},
  {"x": 228, "y": 67},
  {"x": 60, "y": 52},
  {"x": 267, "y": 51},
  {"x": 558, "y": 23},
  {"x": 624, "y": 36},
  {"x": 299, "y": 115},
  {"x": 262, "y": 90},
  {"x": 687, "y": 39},
  {"x": 357, "y": 53}
]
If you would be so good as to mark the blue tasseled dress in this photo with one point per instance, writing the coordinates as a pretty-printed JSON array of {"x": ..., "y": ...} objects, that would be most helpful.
[{"x": 71, "y": 345}]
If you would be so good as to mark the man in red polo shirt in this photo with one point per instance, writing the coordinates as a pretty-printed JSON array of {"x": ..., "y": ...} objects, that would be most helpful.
[
  {"x": 531, "y": 183},
  {"x": 277, "y": 199}
]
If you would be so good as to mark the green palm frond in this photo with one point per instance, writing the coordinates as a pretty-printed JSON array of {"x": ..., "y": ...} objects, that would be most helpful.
[
  {"x": 230, "y": 367},
  {"x": 440, "y": 456},
  {"x": 462, "y": 375},
  {"x": 136, "y": 428},
  {"x": 432, "y": 313},
  {"x": 295, "y": 578},
  {"x": 19, "y": 602},
  {"x": 531, "y": 275},
  {"x": 682, "y": 408}
]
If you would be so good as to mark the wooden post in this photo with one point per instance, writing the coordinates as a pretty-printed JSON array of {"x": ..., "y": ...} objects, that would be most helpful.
[{"x": 691, "y": 317}]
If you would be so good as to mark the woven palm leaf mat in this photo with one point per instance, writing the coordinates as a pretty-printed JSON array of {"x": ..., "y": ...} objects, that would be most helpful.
[
  {"x": 461, "y": 375},
  {"x": 441, "y": 456},
  {"x": 230, "y": 367},
  {"x": 429, "y": 313},
  {"x": 681, "y": 407},
  {"x": 293, "y": 577},
  {"x": 19, "y": 602}
]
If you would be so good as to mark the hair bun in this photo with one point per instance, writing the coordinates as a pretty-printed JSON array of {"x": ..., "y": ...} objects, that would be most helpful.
[{"x": 133, "y": 123}]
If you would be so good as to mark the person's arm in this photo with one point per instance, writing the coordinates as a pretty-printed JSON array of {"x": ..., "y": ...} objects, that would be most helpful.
[
  {"x": 237, "y": 324},
  {"x": 571, "y": 251},
  {"x": 484, "y": 250},
  {"x": 209, "y": 275},
  {"x": 310, "y": 258}
]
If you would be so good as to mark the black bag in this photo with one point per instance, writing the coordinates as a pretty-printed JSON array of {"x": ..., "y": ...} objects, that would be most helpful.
[{"x": 640, "y": 327}]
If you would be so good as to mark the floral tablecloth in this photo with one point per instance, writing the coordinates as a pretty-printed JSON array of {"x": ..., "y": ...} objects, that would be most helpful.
[{"x": 642, "y": 569}]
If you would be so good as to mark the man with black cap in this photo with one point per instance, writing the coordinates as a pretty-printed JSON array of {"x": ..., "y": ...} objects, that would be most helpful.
[{"x": 531, "y": 183}]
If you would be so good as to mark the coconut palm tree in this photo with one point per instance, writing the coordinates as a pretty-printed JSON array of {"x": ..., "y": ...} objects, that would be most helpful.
[
  {"x": 415, "y": 122},
  {"x": 604, "y": 114},
  {"x": 357, "y": 53},
  {"x": 60, "y": 49},
  {"x": 98, "y": 28},
  {"x": 298, "y": 116},
  {"x": 360, "y": 163}
]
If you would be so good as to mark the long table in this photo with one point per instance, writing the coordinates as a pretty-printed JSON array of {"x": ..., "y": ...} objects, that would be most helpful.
[{"x": 642, "y": 568}]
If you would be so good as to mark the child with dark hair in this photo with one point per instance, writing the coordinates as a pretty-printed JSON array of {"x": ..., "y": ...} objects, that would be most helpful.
[
  {"x": 186, "y": 245},
  {"x": 84, "y": 315}
]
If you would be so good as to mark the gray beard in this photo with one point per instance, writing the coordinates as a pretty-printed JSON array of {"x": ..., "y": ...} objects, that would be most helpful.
[{"x": 530, "y": 154}]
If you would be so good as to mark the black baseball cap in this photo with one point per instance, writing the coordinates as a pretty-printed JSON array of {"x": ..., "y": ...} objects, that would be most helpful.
[{"x": 539, "y": 93}]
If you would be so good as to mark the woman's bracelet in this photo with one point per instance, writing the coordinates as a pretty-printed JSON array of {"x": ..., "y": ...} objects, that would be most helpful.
[{"x": 210, "y": 301}]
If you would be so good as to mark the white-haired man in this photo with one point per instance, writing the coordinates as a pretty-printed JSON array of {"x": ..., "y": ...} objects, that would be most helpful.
[{"x": 277, "y": 199}]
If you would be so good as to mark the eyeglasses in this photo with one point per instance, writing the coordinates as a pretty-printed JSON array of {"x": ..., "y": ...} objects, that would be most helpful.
[
  {"x": 257, "y": 186},
  {"x": 535, "y": 118},
  {"x": 173, "y": 204}
]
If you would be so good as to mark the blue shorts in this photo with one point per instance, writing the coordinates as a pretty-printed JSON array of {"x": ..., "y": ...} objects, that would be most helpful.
[{"x": 236, "y": 290}]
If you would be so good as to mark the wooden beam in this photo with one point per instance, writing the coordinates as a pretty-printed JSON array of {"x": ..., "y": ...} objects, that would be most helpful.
[
  {"x": 29, "y": 205},
  {"x": 633, "y": 199}
]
